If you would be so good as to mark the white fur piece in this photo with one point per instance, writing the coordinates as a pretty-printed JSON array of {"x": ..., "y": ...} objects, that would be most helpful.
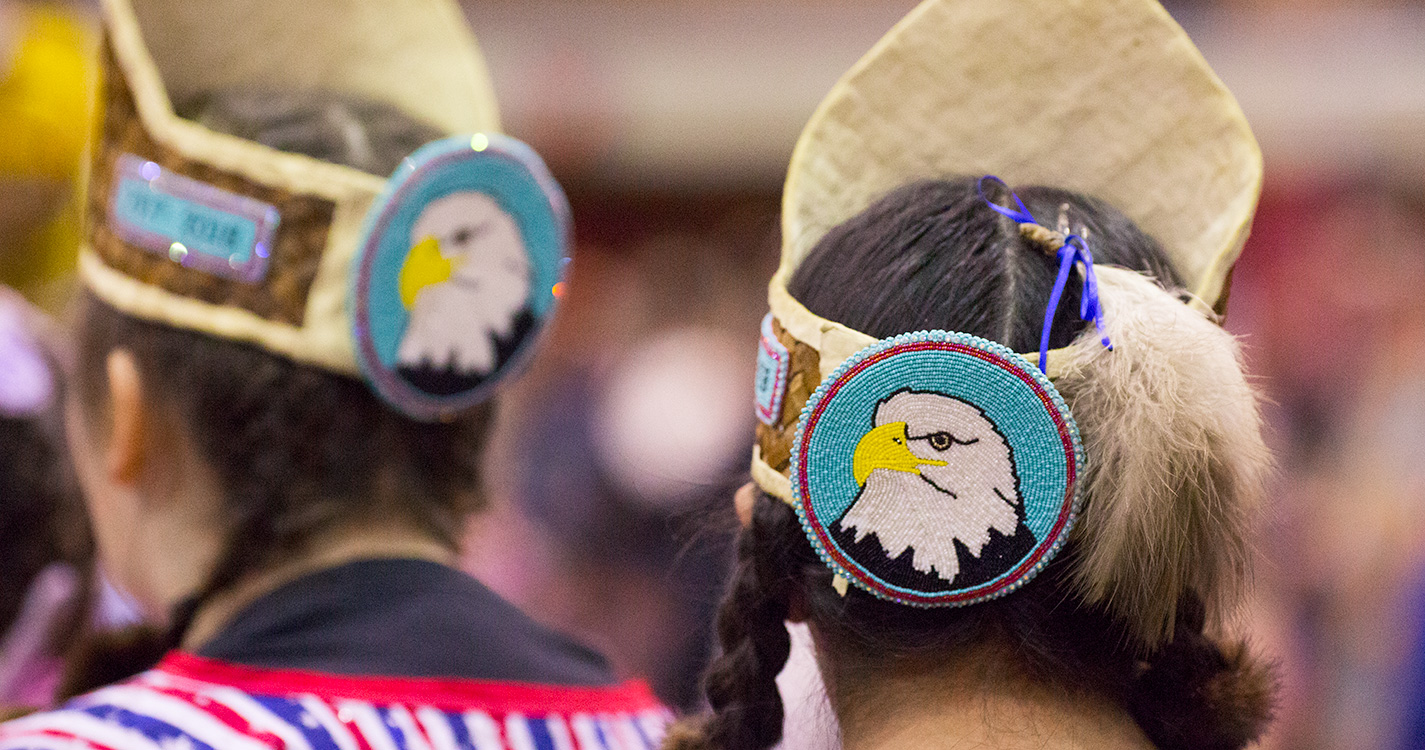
[
  {"x": 927, "y": 511},
  {"x": 1175, "y": 458}
]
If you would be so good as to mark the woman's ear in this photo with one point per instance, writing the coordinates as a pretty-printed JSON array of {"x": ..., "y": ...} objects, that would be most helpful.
[
  {"x": 124, "y": 452},
  {"x": 744, "y": 500}
]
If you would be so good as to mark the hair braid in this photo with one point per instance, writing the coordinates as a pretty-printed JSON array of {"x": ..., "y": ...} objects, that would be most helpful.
[{"x": 741, "y": 684}]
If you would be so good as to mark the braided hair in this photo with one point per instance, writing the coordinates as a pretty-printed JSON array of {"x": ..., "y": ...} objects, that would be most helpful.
[{"x": 931, "y": 256}]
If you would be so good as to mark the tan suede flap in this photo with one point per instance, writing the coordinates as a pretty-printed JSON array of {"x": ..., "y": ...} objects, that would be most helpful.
[{"x": 1108, "y": 97}]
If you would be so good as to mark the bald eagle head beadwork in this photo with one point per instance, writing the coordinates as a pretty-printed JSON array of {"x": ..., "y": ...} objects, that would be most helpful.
[
  {"x": 936, "y": 468},
  {"x": 456, "y": 271}
]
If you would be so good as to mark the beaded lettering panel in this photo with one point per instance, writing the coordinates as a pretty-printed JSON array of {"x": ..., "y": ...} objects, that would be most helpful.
[{"x": 193, "y": 223}]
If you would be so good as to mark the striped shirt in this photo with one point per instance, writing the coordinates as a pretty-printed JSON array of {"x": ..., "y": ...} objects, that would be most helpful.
[{"x": 189, "y": 702}]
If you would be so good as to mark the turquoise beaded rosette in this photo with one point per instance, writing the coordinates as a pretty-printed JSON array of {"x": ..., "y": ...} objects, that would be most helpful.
[{"x": 936, "y": 469}]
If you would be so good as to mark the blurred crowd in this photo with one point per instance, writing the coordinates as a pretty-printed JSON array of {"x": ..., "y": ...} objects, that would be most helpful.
[{"x": 664, "y": 298}]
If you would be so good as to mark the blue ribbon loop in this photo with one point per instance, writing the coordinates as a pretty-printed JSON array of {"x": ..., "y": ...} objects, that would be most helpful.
[{"x": 1074, "y": 250}]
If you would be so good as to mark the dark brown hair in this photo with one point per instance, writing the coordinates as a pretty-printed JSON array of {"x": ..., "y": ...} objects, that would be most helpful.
[
  {"x": 297, "y": 450},
  {"x": 932, "y": 255}
]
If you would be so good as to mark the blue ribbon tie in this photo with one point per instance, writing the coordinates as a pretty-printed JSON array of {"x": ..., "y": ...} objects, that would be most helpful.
[{"x": 1074, "y": 250}]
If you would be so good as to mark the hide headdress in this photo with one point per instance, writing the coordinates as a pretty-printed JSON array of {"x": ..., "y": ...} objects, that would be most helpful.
[
  {"x": 973, "y": 464},
  {"x": 431, "y": 283}
]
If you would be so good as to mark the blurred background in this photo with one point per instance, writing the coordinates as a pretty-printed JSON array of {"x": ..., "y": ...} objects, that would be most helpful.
[{"x": 671, "y": 123}]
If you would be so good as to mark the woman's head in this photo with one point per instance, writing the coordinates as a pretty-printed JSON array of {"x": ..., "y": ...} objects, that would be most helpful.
[
  {"x": 242, "y": 280},
  {"x": 250, "y": 454},
  {"x": 933, "y": 255}
]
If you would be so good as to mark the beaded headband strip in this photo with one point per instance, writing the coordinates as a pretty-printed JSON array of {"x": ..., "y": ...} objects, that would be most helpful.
[{"x": 319, "y": 262}]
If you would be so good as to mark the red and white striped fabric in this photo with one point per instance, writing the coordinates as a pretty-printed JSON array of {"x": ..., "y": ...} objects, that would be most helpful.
[{"x": 191, "y": 703}]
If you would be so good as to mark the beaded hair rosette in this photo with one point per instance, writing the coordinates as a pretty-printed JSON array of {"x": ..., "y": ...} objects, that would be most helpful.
[
  {"x": 936, "y": 468},
  {"x": 432, "y": 284},
  {"x": 1137, "y": 119},
  {"x": 457, "y": 269}
]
